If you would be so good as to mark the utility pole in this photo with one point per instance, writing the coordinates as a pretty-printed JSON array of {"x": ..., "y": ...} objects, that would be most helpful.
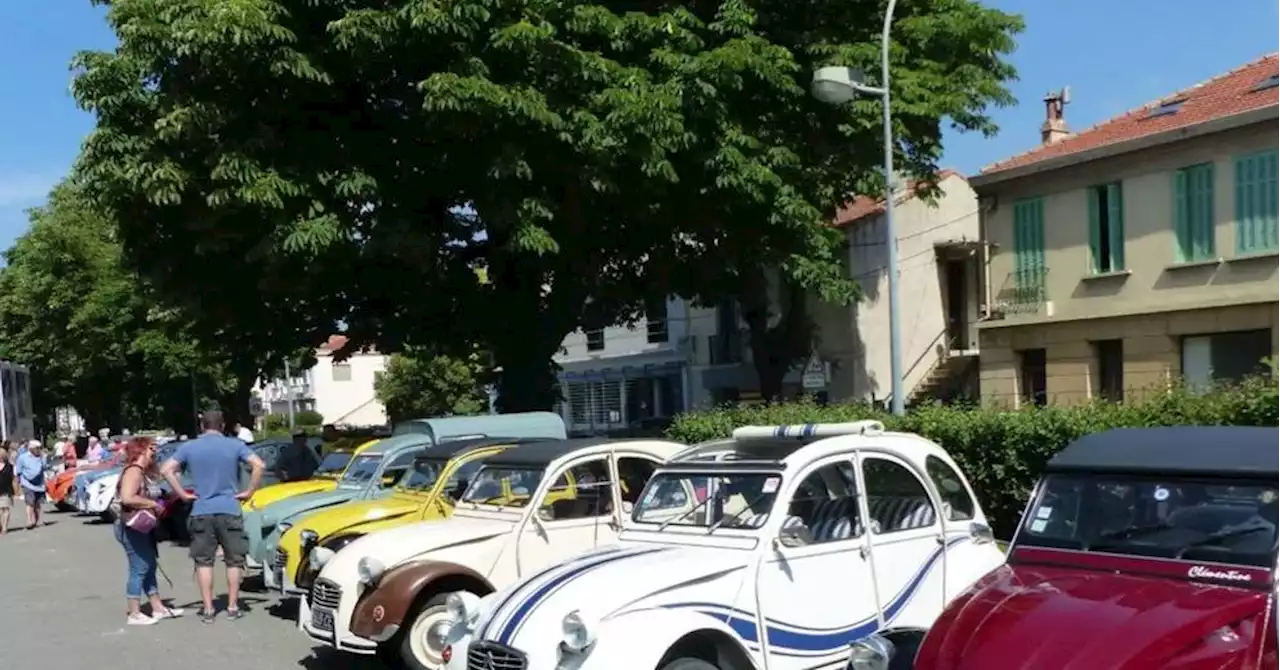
[{"x": 288, "y": 392}]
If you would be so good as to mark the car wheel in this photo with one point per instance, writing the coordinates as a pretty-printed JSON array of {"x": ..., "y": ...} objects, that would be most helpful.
[
  {"x": 688, "y": 663},
  {"x": 423, "y": 643}
]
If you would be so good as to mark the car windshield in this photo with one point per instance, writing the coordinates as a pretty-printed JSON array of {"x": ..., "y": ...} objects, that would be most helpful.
[
  {"x": 333, "y": 464},
  {"x": 708, "y": 499},
  {"x": 507, "y": 487},
  {"x": 362, "y": 469},
  {"x": 422, "y": 475},
  {"x": 1220, "y": 520}
]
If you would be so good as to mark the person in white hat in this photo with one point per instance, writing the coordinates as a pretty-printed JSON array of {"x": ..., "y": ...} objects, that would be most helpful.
[{"x": 30, "y": 468}]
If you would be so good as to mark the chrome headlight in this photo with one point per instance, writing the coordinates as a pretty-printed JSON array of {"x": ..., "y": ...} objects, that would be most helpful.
[
  {"x": 369, "y": 570},
  {"x": 577, "y": 633},
  {"x": 870, "y": 653},
  {"x": 309, "y": 537},
  {"x": 463, "y": 608},
  {"x": 318, "y": 557}
]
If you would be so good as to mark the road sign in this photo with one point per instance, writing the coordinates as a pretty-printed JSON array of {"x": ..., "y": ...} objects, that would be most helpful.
[{"x": 815, "y": 374}]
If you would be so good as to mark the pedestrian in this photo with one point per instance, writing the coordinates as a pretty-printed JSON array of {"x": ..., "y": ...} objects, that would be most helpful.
[
  {"x": 8, "y": 486},
  {"x": 68, "y": 454},
  {"x": 30, "y": 468},
  {"x": 242, "y": 433},
  {"x": 138, "y": 506},
  {"x": 298, "y": 461},
  {"x": 96, "y": 453},
  {"x": 213, "y": 462}
]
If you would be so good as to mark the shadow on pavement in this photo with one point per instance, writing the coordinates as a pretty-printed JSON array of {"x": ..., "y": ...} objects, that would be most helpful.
[
  {"x": 286, "y": 609},
  {"x": 324, "y": 658},
  {"x": 248, "y": 604}
]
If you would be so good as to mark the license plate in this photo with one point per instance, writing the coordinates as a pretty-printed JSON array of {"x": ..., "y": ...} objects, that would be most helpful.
[{"x": 322, "y": 619}]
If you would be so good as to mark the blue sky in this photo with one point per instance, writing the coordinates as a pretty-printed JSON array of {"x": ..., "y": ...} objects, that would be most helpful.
[{"x": 1115, "y": 55}]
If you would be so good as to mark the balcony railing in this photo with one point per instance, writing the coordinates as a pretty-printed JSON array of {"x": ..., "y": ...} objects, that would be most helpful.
[{"x": 1023, "y": 292}]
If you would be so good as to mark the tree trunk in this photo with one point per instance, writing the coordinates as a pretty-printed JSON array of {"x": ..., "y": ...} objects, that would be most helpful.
[
  {"x": 235, "y": 403},
  {"x": 528, "y": 382},
  {"x": 775, "y": 348}
]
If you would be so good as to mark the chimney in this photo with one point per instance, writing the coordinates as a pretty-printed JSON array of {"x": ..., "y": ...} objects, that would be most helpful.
[{"x": 1054, "y": 128}]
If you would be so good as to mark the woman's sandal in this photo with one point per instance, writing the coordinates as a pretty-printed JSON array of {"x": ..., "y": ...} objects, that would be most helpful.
[{"x": 168, "y": 613}]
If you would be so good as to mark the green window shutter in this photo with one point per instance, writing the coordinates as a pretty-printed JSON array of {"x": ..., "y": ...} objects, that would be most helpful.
[
  {"x": 1181, "y": 217},
  {"x": 1256, "y": 192},
  {"x": 1202, "y": 217},
  {"x": 1028, "y": 242},
  {"x": 1095, "y": 231},
  {"x": 1115, "y": 225}
]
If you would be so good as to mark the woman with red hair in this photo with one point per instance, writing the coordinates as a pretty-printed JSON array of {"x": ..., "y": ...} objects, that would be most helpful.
[{"x": 137, "y": 509}]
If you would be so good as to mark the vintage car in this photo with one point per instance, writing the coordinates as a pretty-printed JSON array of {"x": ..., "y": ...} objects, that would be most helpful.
[
  {"x": 527, "y": 508},
  {"x": 428, "y": 490},
  {"x": 806, "y": 540},
  {"x": 325, "y": 478},
  {"x": 375, "y": 471},
  {"x": 1141, "y": 548}
]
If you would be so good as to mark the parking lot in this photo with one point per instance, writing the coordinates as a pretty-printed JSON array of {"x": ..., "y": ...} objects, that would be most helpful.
[{"x": 62, "y": 605}]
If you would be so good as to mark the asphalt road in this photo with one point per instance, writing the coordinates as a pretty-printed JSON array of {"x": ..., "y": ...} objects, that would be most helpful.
[{"x": 62, "y": 606}]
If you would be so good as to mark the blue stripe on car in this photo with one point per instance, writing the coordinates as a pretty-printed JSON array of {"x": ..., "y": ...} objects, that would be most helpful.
[
  {"x": 788, "y": 639},
  {"x": 522, "y": 612},
  {"x": 532, "y": 581}
]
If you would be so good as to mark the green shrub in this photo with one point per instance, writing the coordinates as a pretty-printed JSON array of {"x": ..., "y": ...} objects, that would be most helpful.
[{"x": 1003, "y": 452}]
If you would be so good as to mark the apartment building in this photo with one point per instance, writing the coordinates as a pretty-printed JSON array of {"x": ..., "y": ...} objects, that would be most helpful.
[
  {"x": 1136, "y": 252},
  {"x": 341, "y": 391}
]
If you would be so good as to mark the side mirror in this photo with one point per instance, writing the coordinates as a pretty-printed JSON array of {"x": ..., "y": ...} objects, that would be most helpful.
[
  {"x": 455, "y": 493},
  {"x": 793, "y": 536},
  {"x": 981, "y": 533}
]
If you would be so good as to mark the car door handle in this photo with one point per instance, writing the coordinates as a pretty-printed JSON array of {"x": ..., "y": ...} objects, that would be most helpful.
[{"x": 863, "y": 552}]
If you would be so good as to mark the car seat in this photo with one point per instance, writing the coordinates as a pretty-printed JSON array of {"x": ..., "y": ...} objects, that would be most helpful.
[{"x": 893, "y": 513}]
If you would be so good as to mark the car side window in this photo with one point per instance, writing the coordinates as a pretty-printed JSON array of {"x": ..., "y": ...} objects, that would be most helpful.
[
  {"x": 896, "y": 499},
  {"x": 391, "y": 473},
  {"x": 462, "y": 475},
  {"x": 633, "y": 473},
  {"x": 582, "y": 491},
  {"x": 826, "y": 504},
  {"x": 956, "y": 503}
]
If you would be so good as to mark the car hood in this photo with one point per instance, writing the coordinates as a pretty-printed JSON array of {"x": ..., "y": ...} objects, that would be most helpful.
[
  {"x": 334, "y": 520},
  {"x": 290, "y": 509},
  {"x": 1032, "y": 617},
  {"x": 394, "y": 546},
  {"x": 274, "y": 493},
  {"x": 607, "y": 584}
]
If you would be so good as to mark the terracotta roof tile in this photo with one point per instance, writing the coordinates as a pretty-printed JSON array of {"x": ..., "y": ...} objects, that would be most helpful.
[
  {"x": 1226, "y": 95},
  {"x": 863, "y": 206},
  {"x": 334, "y": 343}
]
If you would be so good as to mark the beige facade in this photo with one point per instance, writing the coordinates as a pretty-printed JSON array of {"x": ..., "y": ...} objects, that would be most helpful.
[
  {"x": 939, "y": 288},
  {"x": 1155, "y": 306}
]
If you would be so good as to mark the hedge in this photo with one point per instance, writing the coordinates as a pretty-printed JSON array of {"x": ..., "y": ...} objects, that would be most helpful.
[{"x": 1003, "y": 451}]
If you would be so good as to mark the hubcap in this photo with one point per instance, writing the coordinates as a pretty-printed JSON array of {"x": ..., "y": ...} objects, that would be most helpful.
[{"x": 427, "y": 638}]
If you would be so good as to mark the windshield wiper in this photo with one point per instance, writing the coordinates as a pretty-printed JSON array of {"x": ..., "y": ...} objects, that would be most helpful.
[
  {"x": 751, "y": 504},
  {"x": 663, "y": 526},
  {"x": 1218, "y": 537},
  {"x": 1129, "y": 533}
]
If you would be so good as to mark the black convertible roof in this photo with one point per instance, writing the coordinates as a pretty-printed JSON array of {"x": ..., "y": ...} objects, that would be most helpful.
[
  {"x": 454, "y": 448},
  {"x": 542, "y": 453},
  {"x": 1184, "y": 450}
]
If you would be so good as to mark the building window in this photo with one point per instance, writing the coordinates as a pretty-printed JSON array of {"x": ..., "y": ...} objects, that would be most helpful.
[
  {"x": 1032, "y": 374},
  {"x": 656, "y": 322},
  {"x": 1028, "y": 250},
  {"x": 1193, "y": 212},
  {"x": 1224, "y": 357},
  {"x": 1109, "y": 357},
  {"x": 595, "y": 339},
  {"x": 1256, "y": 202},
  {"x": 341, "y": 372},
  {"x": 1106, "y": 228}
]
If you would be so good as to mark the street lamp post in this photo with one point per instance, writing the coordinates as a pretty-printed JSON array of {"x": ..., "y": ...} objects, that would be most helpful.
[{"x": 838, "y": 85}]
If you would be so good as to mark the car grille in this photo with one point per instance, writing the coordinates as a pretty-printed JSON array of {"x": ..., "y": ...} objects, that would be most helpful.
[
  {"x": 280, "y": 559},
  {"x": 326, "y": 594},
  {"x": 490, "y": 656}
]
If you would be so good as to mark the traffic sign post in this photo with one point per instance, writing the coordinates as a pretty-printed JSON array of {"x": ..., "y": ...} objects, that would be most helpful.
[{"x": 814, "y": 377}]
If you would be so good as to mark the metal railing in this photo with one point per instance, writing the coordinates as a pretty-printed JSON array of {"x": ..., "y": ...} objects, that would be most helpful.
[{"x": 1023, "y": 292}]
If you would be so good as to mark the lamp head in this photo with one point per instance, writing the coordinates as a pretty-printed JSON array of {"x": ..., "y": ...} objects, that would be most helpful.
[{"x": 836, "y": 84}]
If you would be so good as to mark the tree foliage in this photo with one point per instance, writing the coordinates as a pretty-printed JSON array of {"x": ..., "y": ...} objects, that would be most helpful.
[
  {"x": 424, "y": 385},
  {"x": 90, "y": 329},
  {"x": 284, "y": 166}
]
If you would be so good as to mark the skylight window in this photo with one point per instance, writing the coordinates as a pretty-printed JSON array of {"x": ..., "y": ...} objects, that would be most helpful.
[
  {"x": 1166, "y": 108},
  {"x": 1269, "y": 82}
]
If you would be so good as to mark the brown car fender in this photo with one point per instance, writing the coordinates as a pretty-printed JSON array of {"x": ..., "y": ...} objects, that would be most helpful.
[{"x": 381, "y": 611}]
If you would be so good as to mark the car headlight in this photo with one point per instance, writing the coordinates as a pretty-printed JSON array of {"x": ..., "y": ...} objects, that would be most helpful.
[
  {"x": 319, "y": 556},
  {"x": 283, "y": 527},
  {"x": 369, "y": 570},
  {"x": 577, "y": 633},
  {"x": 309, "y": 537},
  {"x": 463, "y": 608},
  {"x": 870, "y": 653}
]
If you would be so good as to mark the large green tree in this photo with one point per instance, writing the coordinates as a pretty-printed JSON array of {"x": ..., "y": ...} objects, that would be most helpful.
[
  {"x": 419, "y": 384},
  {"x": 91, "y": 331},
  {"x": 356, "y": 161}
]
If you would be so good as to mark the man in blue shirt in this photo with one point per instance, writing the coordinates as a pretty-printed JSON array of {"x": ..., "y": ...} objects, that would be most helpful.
[
  {"x": 213, "y": 461},
  {"x": 30, "y": 470}
]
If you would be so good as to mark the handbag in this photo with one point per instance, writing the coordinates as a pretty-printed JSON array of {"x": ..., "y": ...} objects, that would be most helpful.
[{"x": 140, "y": 520}]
